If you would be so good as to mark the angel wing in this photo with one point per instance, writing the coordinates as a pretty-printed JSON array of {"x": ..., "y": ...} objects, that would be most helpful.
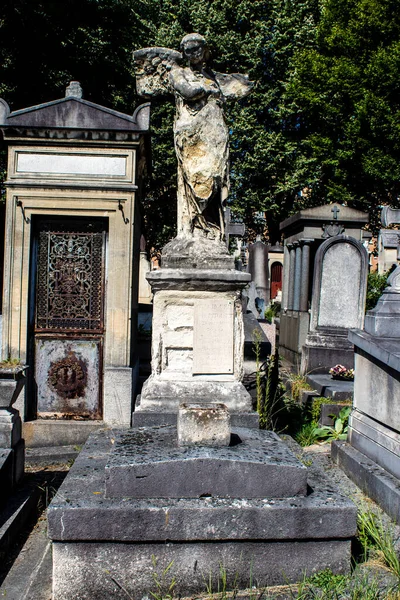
[
  {"x": 152, "y": 66},
  {"x": 234, "y": 86}
]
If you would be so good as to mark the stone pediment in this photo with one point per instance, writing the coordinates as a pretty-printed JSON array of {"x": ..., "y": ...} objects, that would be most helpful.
[
  {"x": 74, "y": 113},
  {"x": 326, "y": 213}
]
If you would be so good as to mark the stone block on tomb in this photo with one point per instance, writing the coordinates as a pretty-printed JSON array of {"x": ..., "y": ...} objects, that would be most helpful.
[{"x": 203, "y": 425}]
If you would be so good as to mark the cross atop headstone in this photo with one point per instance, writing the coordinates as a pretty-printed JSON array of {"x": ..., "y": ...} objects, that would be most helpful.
[
  {"x": 232, "y": 226},
  {"x": 335, "y": 211}
]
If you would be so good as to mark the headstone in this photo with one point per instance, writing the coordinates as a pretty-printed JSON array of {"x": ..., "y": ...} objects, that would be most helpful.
[
  {"x": 340, "y": 285},
  {"x": 371, "y": 458},
  {"x": 304, "y": 233}
]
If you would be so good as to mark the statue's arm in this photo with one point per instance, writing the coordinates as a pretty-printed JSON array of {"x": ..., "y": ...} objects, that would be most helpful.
[
  {"x": 187, "y": 86},
  {"x": 234, "y": 86}
]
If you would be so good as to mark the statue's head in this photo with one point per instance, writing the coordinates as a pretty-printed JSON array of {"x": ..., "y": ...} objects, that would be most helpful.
[{"x": 194, "y": 48}]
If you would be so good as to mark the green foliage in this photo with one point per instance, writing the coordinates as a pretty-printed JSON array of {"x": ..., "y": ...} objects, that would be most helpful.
[
  {"x": 327, "y": 586},
  {"x": 315, "y": 409},
  {"x": 377, "y": 541},
  {"x": 298, "y": 383},
  {"x": 305, "y": 436},
  {"x": 271, "y": 312},
  {"x": 321, "y": 125},
  {"x": 375, "y": 286},
  {"x": 339, "y": 429},
  {"x": 163, "y": 580},
  {"x": 346, "y": 93},
  {"x": 273, "y": 405}
]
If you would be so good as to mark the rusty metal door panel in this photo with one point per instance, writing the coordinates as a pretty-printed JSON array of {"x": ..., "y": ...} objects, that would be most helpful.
[
  {"x": 69, "y": 318},
  {"x": 67, "y": 376}
]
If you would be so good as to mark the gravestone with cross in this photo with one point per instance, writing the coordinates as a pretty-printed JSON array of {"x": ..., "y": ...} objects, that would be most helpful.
[
  {"x": 374, "y": 426},
  {"x": 304, "y": 233}
]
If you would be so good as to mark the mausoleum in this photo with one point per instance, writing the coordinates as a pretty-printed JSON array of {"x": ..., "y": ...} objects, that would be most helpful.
[{"x": 74, "y": 175}]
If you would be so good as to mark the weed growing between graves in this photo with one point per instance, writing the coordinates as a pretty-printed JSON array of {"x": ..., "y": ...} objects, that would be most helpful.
[
  {"x": 377, "y": 543},
  {"x": 271, "y": 312},
  {"x": 219, "y": 589},
  {"x": 339, "y": 429},
  {"x": 164, "y": 581},
  {"x": 269, "y": 388},
  {"x": 298, "y": 383}
]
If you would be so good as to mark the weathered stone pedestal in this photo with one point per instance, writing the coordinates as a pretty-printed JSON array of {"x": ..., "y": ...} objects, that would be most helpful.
[
  {"x": 198, "y": 334},
  {"x": 135, "y": 502},
  {"x": 12, "y": 446},
  {"x": 372, "y": 455}
]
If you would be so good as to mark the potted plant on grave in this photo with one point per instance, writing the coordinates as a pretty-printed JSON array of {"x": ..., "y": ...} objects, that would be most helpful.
[
  {"x": 340, "y": 372},
  {"x": 12, "y": 380}
]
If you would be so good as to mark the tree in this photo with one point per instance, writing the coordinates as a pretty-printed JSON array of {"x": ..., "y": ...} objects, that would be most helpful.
[{"x": 345, "y": 91}]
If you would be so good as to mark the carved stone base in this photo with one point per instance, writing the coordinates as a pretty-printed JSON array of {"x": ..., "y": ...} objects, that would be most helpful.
[
  {"x": 325, "y": 349},
  {"x": 197, "y": 340},
  {"x": 196, "y": 253}
]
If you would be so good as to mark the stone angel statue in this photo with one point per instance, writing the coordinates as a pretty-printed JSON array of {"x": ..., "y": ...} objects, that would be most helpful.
[{"x": 201, "y": 135}]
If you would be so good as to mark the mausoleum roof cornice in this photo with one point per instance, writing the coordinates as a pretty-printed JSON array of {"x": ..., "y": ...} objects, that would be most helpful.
[{"x": 73, "y": 114}]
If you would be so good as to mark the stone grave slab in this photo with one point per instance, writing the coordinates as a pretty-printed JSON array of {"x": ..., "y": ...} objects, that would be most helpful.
[
  {"x": 148, "y": 463},
  {"x": 99, "y": 540}
]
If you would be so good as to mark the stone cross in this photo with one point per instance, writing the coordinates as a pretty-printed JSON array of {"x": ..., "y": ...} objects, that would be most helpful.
[{"x": 335, "y": 211}]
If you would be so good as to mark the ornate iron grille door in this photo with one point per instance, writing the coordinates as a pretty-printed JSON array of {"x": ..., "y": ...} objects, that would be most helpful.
[
  {"x": 69, "y": 319},
  {"x": 70, "y": 277}
]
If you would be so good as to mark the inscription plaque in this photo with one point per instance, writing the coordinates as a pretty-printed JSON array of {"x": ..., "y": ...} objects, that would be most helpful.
[
  {"x": 71, "y": 164},
  {"x": 213, "y": 336}
]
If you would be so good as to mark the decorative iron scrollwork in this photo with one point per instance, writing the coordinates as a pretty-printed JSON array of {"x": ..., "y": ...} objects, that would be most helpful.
[{"x": 70, "y": 281}]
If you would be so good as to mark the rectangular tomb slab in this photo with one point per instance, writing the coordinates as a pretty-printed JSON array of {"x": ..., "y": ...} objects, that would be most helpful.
[
  {"x": 98, "y": 541},
  {"x": 148, "y": 463}
]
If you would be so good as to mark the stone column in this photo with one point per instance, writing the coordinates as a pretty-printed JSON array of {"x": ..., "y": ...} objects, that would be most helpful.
[
  {"x": 297, "y": 277},
  {"x": 305, "y": 274},
  {"x": 285, "y": 286},
  {"x": 292, "y": 260}
]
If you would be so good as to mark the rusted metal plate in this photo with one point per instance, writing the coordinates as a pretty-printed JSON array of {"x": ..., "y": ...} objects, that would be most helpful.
[{"x": 67, "y": 373}]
